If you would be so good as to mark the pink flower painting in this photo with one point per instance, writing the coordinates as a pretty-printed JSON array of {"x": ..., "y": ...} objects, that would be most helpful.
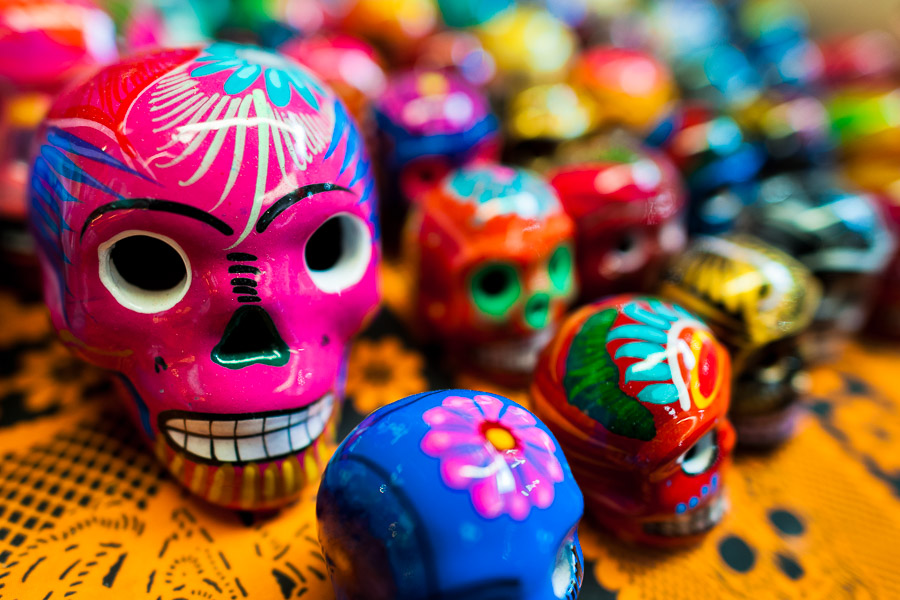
[{"x": 496, "y": 452}]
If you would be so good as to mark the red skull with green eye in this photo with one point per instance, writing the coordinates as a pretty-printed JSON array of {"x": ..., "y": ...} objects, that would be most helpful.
[{"x": 494, "y": 266}]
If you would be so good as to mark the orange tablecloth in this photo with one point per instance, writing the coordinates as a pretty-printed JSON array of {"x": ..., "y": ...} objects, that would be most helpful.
[{"x": 85, "y": 512}]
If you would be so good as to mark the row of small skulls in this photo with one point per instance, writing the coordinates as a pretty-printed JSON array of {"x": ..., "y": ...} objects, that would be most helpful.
[
  {"x": 493, "y": 253},
  {"x": 631, "y": 402},
  {"x": 140, "y": 241},
  {"x": 628, "y": 200}
]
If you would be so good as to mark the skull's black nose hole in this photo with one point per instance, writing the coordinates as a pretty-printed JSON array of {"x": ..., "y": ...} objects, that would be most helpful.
[{"x": 250, "y": 338}]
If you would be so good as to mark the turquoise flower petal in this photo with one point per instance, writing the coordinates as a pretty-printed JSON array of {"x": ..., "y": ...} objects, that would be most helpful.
[
  {"x": 660, "y": 393},
  {"x": 639, "y": 313},
  {"x": 216, "y": 67},
  {"x": 241, "y": 79},
  {"x": 277, "y": 89},
  {"x": 662, "y": 309},
  {"x": 222, "y": 49},
  {"x": 638, "y": 350},
  {"x": 300, "y": 83},
  {"x": 658, "y": 372},
  {"x": 640, "y": 332}
]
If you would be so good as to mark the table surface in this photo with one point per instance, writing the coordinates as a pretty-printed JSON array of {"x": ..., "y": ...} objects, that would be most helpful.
[{"x": 85, "y": 511}]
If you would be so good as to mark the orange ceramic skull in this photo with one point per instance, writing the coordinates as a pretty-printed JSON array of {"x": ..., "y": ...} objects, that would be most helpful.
[{"x": 494, "y": 265}]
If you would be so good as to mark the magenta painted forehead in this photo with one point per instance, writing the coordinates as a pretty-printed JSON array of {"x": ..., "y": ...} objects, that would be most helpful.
[
  {"x": 228, "y": 131},
  {"x": 431, "y": 103}
]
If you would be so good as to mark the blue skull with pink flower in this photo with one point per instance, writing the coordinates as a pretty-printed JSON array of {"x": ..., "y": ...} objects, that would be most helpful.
[{"x": 453, "y": 494}]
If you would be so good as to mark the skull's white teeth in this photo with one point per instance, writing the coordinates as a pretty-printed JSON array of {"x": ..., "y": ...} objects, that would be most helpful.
[
  {"x": 696, "y": 522},
  {"x": 254, "y": 439}
]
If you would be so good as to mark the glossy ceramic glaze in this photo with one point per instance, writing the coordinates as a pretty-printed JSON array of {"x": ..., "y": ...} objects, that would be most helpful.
[
  {"x": 459, "y": 51},
  {"x": 792, "y": 127},
  {"x": 395, "y": 26},
  {"x": 718, "y": 160},
  {"x": 529, "y": 45},
  {"x": 551, "y": 112},
  {"x": 207, "y": 229},
  {"x": 468, "y": 13},
  {"x": 451, "y": 494},
  {"x": 721, "y": 75},
  {"x": 637, "y": 392},
  {"x": 43, "y": 44},
  {"x": 631, "y": 87},
  {"x": 758, "y": 300},
  {"x": 348, "y": 65},
  {"x": 492, "y": 249},
  {"x": 839, "y": 233},
  {"x": 431, "y": 122},
  {"x": 863, "y": 119},
  {"x": 627, "y": 203},
  {"x": 884, "y": 320},
  {"x": 870, "y": 57},
  {"x": 775, "y": 33}
]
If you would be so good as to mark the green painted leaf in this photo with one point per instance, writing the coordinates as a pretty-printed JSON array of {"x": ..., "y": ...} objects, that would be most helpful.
[{"x": 592, "y": 383}]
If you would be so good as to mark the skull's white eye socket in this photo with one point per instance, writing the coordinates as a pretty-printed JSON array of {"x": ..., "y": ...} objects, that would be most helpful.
[
  {"x": 701, "y": 456},
  {"x": 566, "y": 578},
  {"x": 145, "y": 272},
  {"x": 338, "y": 253}
]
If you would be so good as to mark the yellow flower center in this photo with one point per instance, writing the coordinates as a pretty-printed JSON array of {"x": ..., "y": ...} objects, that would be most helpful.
[{"x": 500, "y": 438}]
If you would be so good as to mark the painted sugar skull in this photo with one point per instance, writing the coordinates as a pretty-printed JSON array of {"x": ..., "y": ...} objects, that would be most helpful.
[
  {"x": 842, "y": 237},
  {"x": 206, "y": 222},
  {"x": 758, "y": 300},
  {"x": 454, "y": 494},
  {"x": 431, "y": 122},
  {"x": 637, "y": 391},
  {"x": 627, "y": 205},
  {"x": 493, "y": 253}
]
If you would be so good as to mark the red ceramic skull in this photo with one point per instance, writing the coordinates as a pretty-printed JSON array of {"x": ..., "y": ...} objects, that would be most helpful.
[
  {"x": 493, "y": 254},
  {"x": 627, "y": 204},
  {"x": 637, "y": 392},
  {"x": 206, "y": 225}
]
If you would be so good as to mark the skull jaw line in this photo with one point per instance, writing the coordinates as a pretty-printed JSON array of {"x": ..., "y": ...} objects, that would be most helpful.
[
  {"x": 239, "y": 439},
  {"x": 516, "y": 357},
  {"x": 694, "y": 522}
]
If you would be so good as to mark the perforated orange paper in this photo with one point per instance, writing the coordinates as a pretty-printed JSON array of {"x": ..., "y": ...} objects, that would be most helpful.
[{"x": 86, "y": 512}]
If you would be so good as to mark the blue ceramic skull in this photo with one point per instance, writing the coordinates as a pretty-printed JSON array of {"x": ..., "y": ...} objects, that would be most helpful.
[{"x": 456, "y": 494}]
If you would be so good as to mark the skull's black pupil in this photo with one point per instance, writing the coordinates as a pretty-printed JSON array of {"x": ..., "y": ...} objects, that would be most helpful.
[
  {"x": 494, "y": 282},
  {"x": 691, "y": 453},
  {"x": 325, "y": 246},
  {"x": 625, "y": 244},
  {"x": 148, "y": 263}
]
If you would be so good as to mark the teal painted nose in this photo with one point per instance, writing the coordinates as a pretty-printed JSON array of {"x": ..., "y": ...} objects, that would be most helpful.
[{"x": 250, "y": 338}]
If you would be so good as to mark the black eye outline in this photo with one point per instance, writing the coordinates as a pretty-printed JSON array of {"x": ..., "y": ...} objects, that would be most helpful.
[{"x": 127, "y": 291}]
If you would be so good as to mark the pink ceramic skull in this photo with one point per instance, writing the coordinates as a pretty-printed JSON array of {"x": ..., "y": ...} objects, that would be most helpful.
[{"x": 206, "y": 222}]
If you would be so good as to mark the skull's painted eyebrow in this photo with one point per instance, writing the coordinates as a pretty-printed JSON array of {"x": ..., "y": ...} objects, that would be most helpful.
[
  {"x": 160, "y": 205},
  {"x": 288, "y": 200}
]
